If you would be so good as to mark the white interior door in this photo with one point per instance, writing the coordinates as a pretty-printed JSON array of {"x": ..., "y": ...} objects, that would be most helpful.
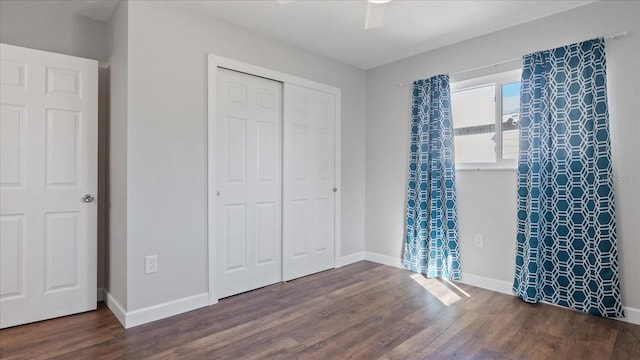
[
  {"x": 48, "y": 162},
  {"x": 309, "y": 181},
  {"x": 248, "y": 182}
]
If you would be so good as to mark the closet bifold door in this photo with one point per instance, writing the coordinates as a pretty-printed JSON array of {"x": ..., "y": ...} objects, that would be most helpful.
[
  {"x": 248, "y": 176},
  {"x": 309, "y": 180}
]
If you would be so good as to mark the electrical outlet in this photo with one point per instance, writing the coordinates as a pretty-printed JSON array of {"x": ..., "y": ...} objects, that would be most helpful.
[
  {"x": 150, "y": 264},
  {"x": 479, "y": 240}
]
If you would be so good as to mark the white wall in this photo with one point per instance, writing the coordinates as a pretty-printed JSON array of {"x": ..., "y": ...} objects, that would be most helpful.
[
  {"x": 115, "y": 256},
  {"x": 167, "y": 99},
  {"x": 487, "y": 199},
  {"x": 42, "y": 25}
]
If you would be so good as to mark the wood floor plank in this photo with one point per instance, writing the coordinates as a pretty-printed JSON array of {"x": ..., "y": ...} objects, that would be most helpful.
[
  {"x": 302, "y": 313},
  {"x": 627, "y": 345},
  {"x": 361, "y": 311}
]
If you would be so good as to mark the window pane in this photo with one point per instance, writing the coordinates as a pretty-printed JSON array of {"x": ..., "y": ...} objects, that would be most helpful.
[
  {"x": 473, "y": 113},
  {"x": 510, "y": 120},
  {"x": 475, "y": 148},
  {"x": 473, "y": 107}
]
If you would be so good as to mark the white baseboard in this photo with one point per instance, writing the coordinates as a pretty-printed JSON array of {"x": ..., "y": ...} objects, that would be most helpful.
[
  {"x": 100, "y": 294},
  {"x": 484, "y": 282},
  {"x": 350, "y": 259},
  {"x": 632, "y": 315},
  {"x": 469, "y": 279},
  {"x": 501, "y": 286},
  {"x": 155, "y": 312},
  {"x": 116, "y": 309},
  {"x": 383, "y": 259},
  {"x": 164, "y": 310}
]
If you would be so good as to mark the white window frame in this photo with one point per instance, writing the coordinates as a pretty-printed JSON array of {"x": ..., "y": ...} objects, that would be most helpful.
[{"x": 497, "y": 80}]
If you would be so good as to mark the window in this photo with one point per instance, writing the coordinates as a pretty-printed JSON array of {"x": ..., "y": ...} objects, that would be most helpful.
[{"x": 486, "y": 120}]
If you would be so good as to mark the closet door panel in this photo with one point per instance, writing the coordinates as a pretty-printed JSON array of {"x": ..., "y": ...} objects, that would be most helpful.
[
  {"x": 248, "y": 178},
  {"x": 309, "y": 178}
]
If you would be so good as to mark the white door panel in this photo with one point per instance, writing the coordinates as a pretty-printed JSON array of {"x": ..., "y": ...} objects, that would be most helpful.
[
  {"x": 48, "y": 161},
  {"x": 309, "y": 180},
  {"x": 248, "y": 179}
]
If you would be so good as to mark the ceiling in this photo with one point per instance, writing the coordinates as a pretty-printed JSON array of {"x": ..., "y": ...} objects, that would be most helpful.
[{"x": 336, "y": 28}]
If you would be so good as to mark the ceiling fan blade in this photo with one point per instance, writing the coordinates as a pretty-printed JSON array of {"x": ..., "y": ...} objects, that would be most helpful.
[
  {"x": 284, "y": 2},
  {"x": 375, "y": 15}
]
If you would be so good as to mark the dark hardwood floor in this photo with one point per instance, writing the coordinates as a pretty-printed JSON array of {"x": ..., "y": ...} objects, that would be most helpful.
[{"x": 361, "y": 311}]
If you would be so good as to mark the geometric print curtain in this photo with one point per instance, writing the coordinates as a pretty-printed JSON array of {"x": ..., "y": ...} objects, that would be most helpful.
[
  {"x": 566, "y": 250},
  {"x": 431, "y": 246}
]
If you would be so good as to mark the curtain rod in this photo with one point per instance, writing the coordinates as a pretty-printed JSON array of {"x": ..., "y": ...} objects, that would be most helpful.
[{"x": 607, "y": 37}]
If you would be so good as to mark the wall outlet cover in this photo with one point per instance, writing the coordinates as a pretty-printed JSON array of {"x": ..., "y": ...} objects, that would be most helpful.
[
  {"x": 478, "y": 240},
  {"x": 150, "y": 264}
]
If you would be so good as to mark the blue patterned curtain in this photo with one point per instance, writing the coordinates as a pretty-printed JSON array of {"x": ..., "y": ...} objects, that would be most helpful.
[
  {"x": 566, "y": 242},
  {"x": 432, "y": 227}
]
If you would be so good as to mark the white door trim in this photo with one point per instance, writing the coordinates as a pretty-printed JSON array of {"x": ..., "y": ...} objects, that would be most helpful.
[{"x": 215, "y": 62}]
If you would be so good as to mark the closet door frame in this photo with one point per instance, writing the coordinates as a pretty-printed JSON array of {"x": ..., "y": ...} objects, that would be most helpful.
[{"x": 214, "y": 63}]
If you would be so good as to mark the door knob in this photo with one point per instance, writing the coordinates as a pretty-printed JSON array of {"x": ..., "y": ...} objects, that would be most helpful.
[{"x": 87, "y": 198}]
